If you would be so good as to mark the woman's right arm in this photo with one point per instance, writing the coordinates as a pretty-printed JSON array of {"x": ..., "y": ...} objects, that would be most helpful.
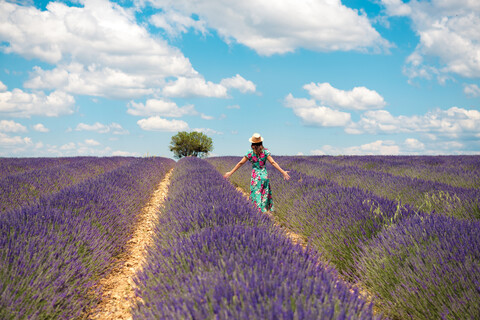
[
  {"x": 285, "y": 174},
  {"x": 239, "y": 164}
]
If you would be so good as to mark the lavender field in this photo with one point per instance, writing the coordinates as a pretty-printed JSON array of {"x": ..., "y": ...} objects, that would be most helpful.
[
  {"x": 387, "y": 238},
  {"x": 62, "y": 222},
  {"x": 215, "y": 257},
  {"x": 404, "y": 229}
]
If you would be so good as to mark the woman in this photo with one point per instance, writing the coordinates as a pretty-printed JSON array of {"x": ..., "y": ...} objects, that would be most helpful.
[{"x": 260, "y": 191}]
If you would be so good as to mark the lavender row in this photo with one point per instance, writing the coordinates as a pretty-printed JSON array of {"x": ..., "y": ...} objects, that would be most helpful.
[
  {"x": 424, "y": 195},
  {"x": 465, "y": 162},
  {"x": 457, "y": 171},
  {"x": 53, "y": 253},
  {"x": 215, "y": 257},
  {"x": 418, "y": 266},
  {"x": 11, "y": 166},
  {"x": 425, "y": 267},
  {"x": 21, "y": 189}
]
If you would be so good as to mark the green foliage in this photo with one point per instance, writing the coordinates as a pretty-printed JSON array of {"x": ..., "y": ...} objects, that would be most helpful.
[{"x": 185, "y": 144}]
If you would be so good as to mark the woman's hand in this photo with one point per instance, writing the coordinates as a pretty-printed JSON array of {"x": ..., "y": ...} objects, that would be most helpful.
[
  {"x": 286, "y": 176},
  {"x": 227, "y": 175}
]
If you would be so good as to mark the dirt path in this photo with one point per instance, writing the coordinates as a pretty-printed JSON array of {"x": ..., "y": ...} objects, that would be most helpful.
[{"x": 118, "y": 294}]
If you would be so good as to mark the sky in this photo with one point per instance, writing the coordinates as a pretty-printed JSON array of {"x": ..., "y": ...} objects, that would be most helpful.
[{"x": 313, "y": 77}]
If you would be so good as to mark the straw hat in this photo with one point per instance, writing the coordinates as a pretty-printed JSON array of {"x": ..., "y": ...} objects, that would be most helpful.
[{"x": 256, "y": 138}]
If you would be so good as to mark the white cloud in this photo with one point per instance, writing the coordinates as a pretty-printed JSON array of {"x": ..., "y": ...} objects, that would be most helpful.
[
  {"x": 100, "y": 41},
  {"x": 15, "y": 141},
  {"x": 318, "y": 152},
  {"x": 382, "y": 147},
  {"x": 471, "y": 90},
  {"x": 397, "y": 8},
  {"x": 78, "y": 149},
  {"x": 453, "y": 122},
  {"x": 194, "y": 87},
  {"x": 100, "y": 50},
  {"x": 278, "y": 27},
  {"x": 379, "y": 147},
  {"x": 91, "y": 142},
  {"x": 207, "y": 131},
  {"x": 159, "y": 124},
  {"x": 40, "y": 128},
  {"x": 206, "y": 117},
  {"x": 235, "y": 106},
  {"x": 99, "y": 32},
  {"x": 330, "y": 99},
  {"x": 295, "y": 103},
  {"x": 198, "y": 87},
  {"x": 3, "y": 87},
  {"x": 312, "y": 114},
  {"x": 19, "y": 146},
  {"x": 414, "y": 144},
  {"x": 323, "y": 116},
  {"x": 68, "y": 146},
  {"x": 160, "y": 107},
  {"x": 114, "y": 128},
  {"x": 174, "y": 23},
  {"x": 239, "y": 83},
  {"x": 94, "y": 80},
  {"x": 17, "y": 103},
  {"x": 359, "y": 98},
  {"x": 11, "y": 126},
  {"x": 120, "y": 153},
  {"x": 448, "y": 32}
]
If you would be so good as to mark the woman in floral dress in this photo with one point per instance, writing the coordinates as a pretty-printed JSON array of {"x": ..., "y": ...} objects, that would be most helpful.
[{"x": 260, "y": 190}]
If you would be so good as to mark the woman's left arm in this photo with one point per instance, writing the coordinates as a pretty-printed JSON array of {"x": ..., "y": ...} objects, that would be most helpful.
[
  {"x": 239, "y": 164},
  {"x": 285, "y": 174}
]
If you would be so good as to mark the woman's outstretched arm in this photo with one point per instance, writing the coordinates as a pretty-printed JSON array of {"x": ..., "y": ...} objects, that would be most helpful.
[
  {"x": 239, "y": 164},
  {"x": 276, "y": 166}
]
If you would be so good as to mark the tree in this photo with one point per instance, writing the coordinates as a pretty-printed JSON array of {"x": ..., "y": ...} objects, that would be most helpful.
[{"x": 194, "y": 143}]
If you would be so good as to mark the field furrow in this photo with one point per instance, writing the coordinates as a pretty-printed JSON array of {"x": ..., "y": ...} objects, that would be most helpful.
[{"x": 118, "y": 295}]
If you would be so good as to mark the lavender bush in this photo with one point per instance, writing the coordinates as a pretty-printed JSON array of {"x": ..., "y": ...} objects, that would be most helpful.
[
  {"x": 21, "y": 189},
  {"x": 52, "y": 253},
  {"x": 425, "y": 267},
  {"x": 241, "y": 272},
  {"x": 458, "y": 171},
  {"x": 12, "y": 166},
  {"x": 228, "y": 262},
  {"x": 424, "y": 195}
]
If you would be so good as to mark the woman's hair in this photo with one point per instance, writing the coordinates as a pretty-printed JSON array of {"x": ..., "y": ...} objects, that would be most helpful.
[{"x": 257, "y": 148}]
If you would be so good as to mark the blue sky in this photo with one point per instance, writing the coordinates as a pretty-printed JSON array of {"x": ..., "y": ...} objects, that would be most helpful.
[{"x": 104, "y": 78}]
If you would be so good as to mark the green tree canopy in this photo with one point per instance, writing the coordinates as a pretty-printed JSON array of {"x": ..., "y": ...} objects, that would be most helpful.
[{"x": 193, "y": 143}]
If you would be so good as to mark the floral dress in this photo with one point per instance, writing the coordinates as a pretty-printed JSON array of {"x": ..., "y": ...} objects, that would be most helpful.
[{"x": 260, "y": 191}]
